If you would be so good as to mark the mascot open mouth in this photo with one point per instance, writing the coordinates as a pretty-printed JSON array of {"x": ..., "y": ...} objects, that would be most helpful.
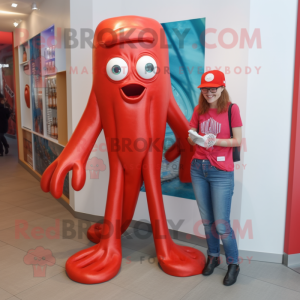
[{"x": 132, "y": 92}]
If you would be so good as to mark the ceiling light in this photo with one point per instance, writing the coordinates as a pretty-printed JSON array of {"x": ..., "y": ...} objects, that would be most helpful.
[
  {"x": 33, "y": 6},
  {"x": 14, "y": 5},
  {"x": 17, "y": 22},
  {"x": 10, "y": 13}
]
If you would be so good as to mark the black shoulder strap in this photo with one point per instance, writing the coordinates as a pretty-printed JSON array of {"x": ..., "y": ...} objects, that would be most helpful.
[
  {"x": 229, "y": 118},
  {"x": 198, "y": 125}
]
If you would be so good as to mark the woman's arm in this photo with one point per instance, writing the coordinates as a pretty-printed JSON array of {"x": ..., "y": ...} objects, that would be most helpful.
[{"x": 234, "y": 142}]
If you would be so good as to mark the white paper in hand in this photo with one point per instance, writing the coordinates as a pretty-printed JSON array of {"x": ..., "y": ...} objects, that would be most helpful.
[
  {"x": 206, "y": 141},
  {"x": 196, "y": 138}
]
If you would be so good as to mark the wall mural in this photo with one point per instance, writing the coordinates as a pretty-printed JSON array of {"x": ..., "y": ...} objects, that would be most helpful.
[{"x": 186, "y": 68}]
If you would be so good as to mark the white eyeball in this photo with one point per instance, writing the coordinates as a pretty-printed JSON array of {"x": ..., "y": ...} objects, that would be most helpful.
[
  {"x": 117, "y": 69},
  {"x": 146, "y": 67}
]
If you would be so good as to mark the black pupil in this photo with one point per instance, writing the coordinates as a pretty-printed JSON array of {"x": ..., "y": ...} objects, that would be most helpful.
[
  {"x": 116, "y": 69},
  {"x": 149, "y": 68}
]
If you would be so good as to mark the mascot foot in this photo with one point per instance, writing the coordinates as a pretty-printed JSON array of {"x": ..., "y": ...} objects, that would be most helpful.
[
  {"x": 94, "y": 265},
  {"x": 94, "y": 233},
  {"x": 182, "y": 261}
]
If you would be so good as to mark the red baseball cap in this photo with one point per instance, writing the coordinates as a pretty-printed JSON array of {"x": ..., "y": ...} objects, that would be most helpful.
[{"x": 214, "y": 78}]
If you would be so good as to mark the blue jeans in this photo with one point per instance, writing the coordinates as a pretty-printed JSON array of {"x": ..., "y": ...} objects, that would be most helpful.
[{"x": 213, "y": 189}]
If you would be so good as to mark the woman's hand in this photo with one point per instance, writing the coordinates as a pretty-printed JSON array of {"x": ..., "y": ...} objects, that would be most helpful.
[
  {"x": 191, "y": 141},
  {"x": 210, "y": 140},
  {"x": 205, "y": 141}
]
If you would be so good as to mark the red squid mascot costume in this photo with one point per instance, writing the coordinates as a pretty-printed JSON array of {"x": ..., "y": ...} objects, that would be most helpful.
[{"x": 131, "y": 100}]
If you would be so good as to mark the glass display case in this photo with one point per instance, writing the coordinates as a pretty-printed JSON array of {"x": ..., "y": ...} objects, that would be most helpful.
[{"x": 41, "y": 102}]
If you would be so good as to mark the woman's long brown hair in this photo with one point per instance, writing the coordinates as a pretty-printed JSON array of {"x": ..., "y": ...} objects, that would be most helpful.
[{"x": 222, "y": 104}]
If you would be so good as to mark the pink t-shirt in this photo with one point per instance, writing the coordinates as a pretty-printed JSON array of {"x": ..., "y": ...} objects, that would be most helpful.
[{"x": 218, "y": 124}]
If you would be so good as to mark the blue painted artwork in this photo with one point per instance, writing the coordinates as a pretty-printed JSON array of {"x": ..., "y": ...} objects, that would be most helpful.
[{"x": 186, "y": 58}]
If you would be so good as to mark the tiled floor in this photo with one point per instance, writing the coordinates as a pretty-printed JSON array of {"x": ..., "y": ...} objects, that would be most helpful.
[{"x": 25, "y": 215}]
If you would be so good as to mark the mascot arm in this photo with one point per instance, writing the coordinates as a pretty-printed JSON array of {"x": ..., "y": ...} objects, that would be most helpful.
[{"x": 76, "y": 153}]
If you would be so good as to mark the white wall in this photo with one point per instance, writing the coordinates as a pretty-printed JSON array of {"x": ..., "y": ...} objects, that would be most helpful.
[
  {"x": 261, "y": 186},
  {"x": 219, "y": 15},
  {"x": 268, "y": 113},
  {"x": 92, "y": 198}
]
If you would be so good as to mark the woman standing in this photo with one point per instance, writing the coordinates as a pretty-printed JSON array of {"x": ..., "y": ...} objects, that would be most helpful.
[{"x": 212, "y": 170}]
